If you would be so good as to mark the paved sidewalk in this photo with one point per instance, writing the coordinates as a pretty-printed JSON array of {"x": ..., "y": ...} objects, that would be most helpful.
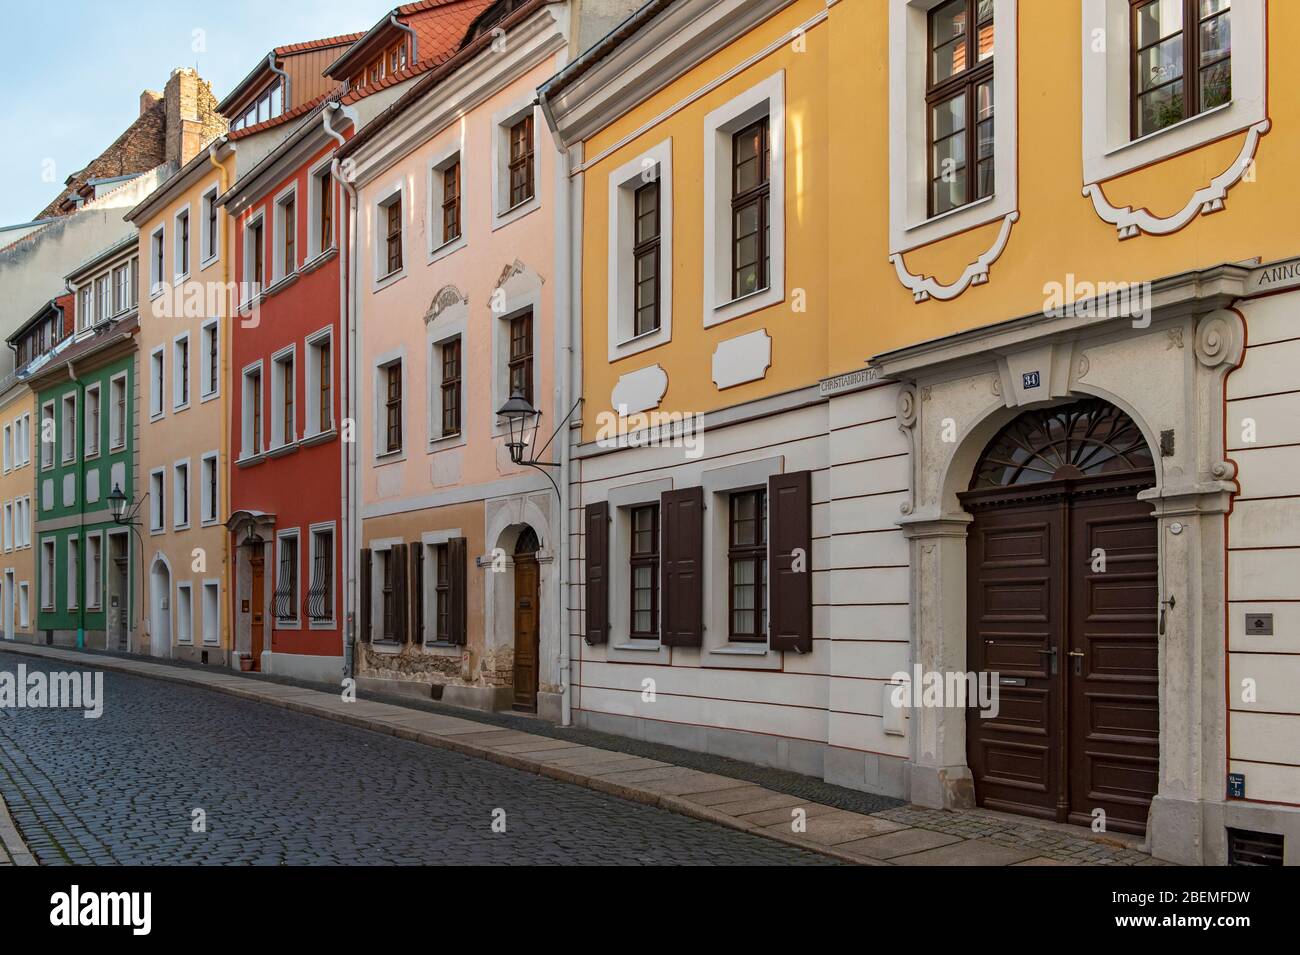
[
  {"x": 896, "y": 835},
  {"x": 13, "y": 851}
]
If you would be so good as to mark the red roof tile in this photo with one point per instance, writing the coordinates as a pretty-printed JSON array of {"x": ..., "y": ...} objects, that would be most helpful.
[{"x": 342, "y": 39}]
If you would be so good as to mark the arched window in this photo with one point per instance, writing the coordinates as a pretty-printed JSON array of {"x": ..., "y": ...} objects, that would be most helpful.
[
  {"x": 1084, "y": 439},
  {"x": 528, "y": 542}
]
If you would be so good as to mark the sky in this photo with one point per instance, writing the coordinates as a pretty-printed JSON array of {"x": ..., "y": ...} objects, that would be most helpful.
[{"x": 75, "y": 70}]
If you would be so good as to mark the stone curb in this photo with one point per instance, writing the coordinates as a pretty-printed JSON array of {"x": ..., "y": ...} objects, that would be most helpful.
[
  {"x": 621, "y": 789},
  {"x": 12, "y": 839}
]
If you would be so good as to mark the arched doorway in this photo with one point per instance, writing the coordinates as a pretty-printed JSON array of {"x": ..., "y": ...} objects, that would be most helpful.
[
  {"x": 1063, "y": 604},
  {"x": 160, "y": 616},
  {"x": 527, "y": 591}
]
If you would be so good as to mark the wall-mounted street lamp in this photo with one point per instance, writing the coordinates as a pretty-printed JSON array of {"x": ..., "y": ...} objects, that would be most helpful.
[
  {"x": 117, "y": 507},
  {"x": 522, "y": 419}
]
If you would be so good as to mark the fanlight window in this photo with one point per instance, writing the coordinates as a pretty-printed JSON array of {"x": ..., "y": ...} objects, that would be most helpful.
[{"x": 1085, "y": 439}]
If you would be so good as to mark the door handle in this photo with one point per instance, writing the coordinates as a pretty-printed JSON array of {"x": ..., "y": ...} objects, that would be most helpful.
[
  {"x": 1051, "y": 663},
  {"x": 1078, "y": 660}
]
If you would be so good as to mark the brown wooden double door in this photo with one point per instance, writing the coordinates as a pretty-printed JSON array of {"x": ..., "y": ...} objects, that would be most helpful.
[{"x": 1063, "y": 605}]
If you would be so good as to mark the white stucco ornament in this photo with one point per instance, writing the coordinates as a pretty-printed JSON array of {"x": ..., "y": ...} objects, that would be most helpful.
[
  {"x": 742, "y": 359},
  {"x": 926, "y": 287},
  {"x": 1130, "y": 222},
  {"x": 639, "y": 390}
]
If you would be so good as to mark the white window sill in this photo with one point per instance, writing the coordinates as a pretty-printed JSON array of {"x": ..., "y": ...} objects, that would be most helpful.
[
  {"x": 742, "y": 649},
  {"x": 504, "y": 218},
  {"x": 203, "y": 399},
  {"x": 181, "y": 527},
  {"x": 249, "y": 460},
  {"x": 745, "y": 305},
  {"x": 180, "y": 407},
  {"x": 447, "y": 248},
  {"x": 279, "y": 285},
  {"x": 178, "y": 280},
  {"x": 392, "y": 278},
  {"x": 443, "y": 649},
  {"x": 944, "y": 216},
  {"x": 388, "y": 647},
  {"x": 156, "y": 531},
  {"x": 390, "y": 457},
  {"x": 652, "y": 646},
  {"x": 209, "y": 522},
  {"x": 1173, "y": 129},
  {"x": 318, "y": 437},
  {"x": 446, "y": 442},
  {"x": 209, "y": 261},
  {"x": 280, "y": 450},
  {"x": 287, "y": 624}
]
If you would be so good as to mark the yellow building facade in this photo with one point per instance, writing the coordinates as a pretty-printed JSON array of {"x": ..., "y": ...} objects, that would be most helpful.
[{"x": 988, "y": 306}]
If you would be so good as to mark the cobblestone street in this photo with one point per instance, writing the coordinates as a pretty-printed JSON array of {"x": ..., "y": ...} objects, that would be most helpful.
[{"x": 279, "y": 787}]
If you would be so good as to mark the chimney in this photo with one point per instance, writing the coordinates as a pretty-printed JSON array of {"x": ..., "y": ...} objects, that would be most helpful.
[
  {"x": 147, "y": 99},
  {"x": 191, "y": 115}
]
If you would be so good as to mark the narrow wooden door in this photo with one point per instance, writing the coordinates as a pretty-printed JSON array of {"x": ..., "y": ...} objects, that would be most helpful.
[
  {"x": 257, "y": 563},
  {"x": 1112, "y": 667},
  {"x": 526, "y": 578},
  {"x": 1016, "y": 619}
]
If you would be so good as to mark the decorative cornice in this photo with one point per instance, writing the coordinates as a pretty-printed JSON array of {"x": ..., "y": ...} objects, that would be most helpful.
[
  {"x": 926, "y": 287},
  {"x": 447, "y": 297},
  {"x": 1130, "y": 222}
]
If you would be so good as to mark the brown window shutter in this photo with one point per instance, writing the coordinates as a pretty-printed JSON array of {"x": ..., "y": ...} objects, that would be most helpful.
[
  {"x": 682, "y": 523},
  {"x": 402, "y": 618},
  {"x": 457, "y": 557},
  {"x": 597, "y": 572},
  {"x": 417, "y": 591},
  {"x": 363, "y": 604},
  {"x": 789, "y": 519}
]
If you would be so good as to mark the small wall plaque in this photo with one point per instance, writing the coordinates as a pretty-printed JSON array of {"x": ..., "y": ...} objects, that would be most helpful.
[
  {"x": 1236, "y": 785},
  {"x": 1259, "y": 624},
  {"x": 1032, "y": 379}
]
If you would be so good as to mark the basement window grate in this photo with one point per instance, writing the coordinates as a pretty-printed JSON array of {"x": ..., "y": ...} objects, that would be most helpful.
[{"x": 1254, "y": 848}]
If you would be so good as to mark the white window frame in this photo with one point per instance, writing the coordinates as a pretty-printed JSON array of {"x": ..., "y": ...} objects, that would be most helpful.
[
  {"x": 181, "y": 488},
  {"x": 502, "y": 214},
  {"x": 209, "y": 389},
  {"x": 209, "y": 458},
  {"x": 380, "y": 377},
  {"x": 380, "y": 549},
  {"x": 209, "y": 254},
  {"x": 430, "y": 541},
  {"x": 68, "y": 427},
  {"x": 8, "y": 449},
  {"x": 73, "y": 578},
  {"x": 440, "y": 334},
  {"x": 910, "y": 223},
  {"x": 450, "y": 153},
  {"x": 766, "y": 98},
  {"x": 181, "y": 373},
  {"x": 312, "y": 530},
  {"x": 514, "y": 305},
  {"x": 49, "y": 551},
  {"x": 623, "y": 185},
  {"x": 278, "y": 438},
  {"x": 157, "y": 263},
  {"x": 311, "y": 383},
  {"x": 24, "y": 605},
  {"x": 212, "y": 621},
  {"x": 10, "y": 527},
  {"x": 158, "y": 500},
  {"x": 93, "y": 423},
  {"x": 1108, "y": 147},
  {"x": 184, "y": 635},
  {"x": 314, "y": 176},
  {"x": 116, "y": 428},
  {"x": 279, "y": 273},
  {"x": 181, "y": 253},
  {"x": 294, "y": 622},
  {"x": 247, "y": 292},
  {"x": 48, "y": 447},
  {"x": 246, "y": 451},
  {"x": 383, "y": 279},
  {"x": 94, "y": 587},
  {"x": 157, "y": 383}
]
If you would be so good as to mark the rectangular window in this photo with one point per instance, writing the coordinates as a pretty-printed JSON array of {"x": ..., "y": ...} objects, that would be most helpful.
[
  {"x": 117, "y": 412},
  {"x": 69, "y": 426},
  {"x": 521, "y": 161},
  {"x": 94, "y": 572},
  {"x": 157, "y": 500},
  {"x": 252, "y": 412},
  {"x": 286, "y": 579},
  {"x": 86, "y": 318},
  {"x": 133, "y": 288},
  {"x": 8, "y": 449},
  {"x": 450, "y": 387},
  {"x": 181, "y": 492},
  {"x": 92, "y": 420},
  {"x": 181, "y": 372},
  {"x": 1169, "y": 37},
  {"x": 183, "y": 244},
  {"x": 521, "y": 356},
  {"x": 47, "y": 435},
  {"x": 451, "y": 202},
  {"x": 288, "y": 236},
  {"x": 750, "y": 201},
  {"x": 256, "y": 250},
  {"x": 210, "y": 227},
  {"x": 318, "y": 386},
  {"x": 747, "y": 562},
  {"x": 184, "y": 613},
  {"x": 121, "y": 290},
  {"x": 157, "y": 378},
  {"x": 156, "y": 261},
  {"x": 73, "y": 572},
  {"x": 24, "y": 606},
  {"x": 208, "y": 475},
  {"x": 211, "y": 611},
  {"x": 959, "y": 103},
  {"x": 645, "y": 572},
  {"x": 393, "y": 407},
  {"x": 441, "y": 593},
  {"x": 393, "y": 233},
  {"x": 211, "y": 359},
  {"x": 47, "y": 574},
  {"x": 9, "y": 526},
  {"x": 645, "y": 254},
  {"x": 388, "y": 602},
  {"x": 320, "y": 592}
]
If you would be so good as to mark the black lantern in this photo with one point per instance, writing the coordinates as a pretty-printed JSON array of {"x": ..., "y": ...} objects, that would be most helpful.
[
  {"x": 522, "y": 419},
  {"x": 117, "y": 503}
]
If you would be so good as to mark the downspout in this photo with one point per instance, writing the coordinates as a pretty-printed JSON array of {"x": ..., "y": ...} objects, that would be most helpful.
[
  {"x": 81, "y": 515},
  {"x": 350, "y": 497},
  {"x": 415, "y": 54},
  {"x": 223, "y": 460},
  {"x": 284, "y": 80}
]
